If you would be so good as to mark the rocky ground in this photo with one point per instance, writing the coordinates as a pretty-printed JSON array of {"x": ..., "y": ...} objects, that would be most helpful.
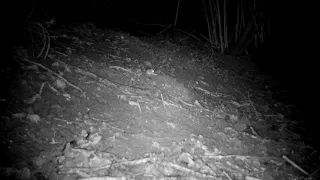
[{"x": 94, "y": 104}]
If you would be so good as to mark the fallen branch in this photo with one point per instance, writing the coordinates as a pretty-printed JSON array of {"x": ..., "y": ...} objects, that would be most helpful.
[
  {"x": 118, "y": 67},
  {"x": 295, "y": 165},
  {"x": 59, "y": 52}
]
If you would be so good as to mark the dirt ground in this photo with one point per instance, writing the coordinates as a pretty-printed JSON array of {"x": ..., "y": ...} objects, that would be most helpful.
[{"x": 100, "y": 105}]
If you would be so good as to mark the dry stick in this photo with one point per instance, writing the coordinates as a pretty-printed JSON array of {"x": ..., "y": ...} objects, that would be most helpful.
[
  {"x": 252, "y": 104},
  {"x": 32, "y": 43},
  {"x": 105, "y": 121},
  {"x": 212, "y": 24},
  {"x": 206, "y": 38},
  {"x": 66, "y": 81},
  {"x": 31, "y": 12},
  {"x": 237, "y": 23},
  {"x": 315, "y": 172},
  {"x": 152, "y": 24},
  {"x": 219, "y": 25},
  {"x": 295, "y": 165},
  {"x": 44, "y": 38},
  {"x": 212, "y": 33},
  {"x": 208, "y": 24},
  {"x": 227, "y": 175},
  {"x": 164, "y": 105},
  {"x": 45, "y": 56},
  {"x": 35, "y": 97},
  {"x": 59, "y": 52},
  {"x": 225, "y": 25},
  {"x": 254, "y": 108},
  {"x": 243, "y": 20},
  {"x": 118, "y": 67},
  {"x": 177, "y": 12},
  {"x": 188, "y": 34},
  {"x": 41, "y": 88},
  {"x": 164, "y": 29},
  {"x": 254, "y": 20},
  {"x": 214, "y": 38},
  {"x": 233, "y": 33},
  {"x": 207, "y": 19}
]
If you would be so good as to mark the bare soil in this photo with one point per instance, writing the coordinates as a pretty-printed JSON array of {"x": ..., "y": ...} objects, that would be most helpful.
[{"x": 107, "y": 105}]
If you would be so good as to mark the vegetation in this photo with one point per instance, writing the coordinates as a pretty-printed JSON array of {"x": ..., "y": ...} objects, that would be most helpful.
[{"x": 249, "y": 25}]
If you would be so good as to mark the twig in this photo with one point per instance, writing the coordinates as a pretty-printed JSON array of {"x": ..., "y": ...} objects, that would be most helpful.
[
  {"x": 164, "y": 105},
  {"x": 66, "y": 81},
  {"x": 152, "y": 24},
  {"x": 113, "y": 126},
  {"x": 59, "y": 52},
  {"x": 49, "y": 44},
  {"x": 250, "y": 102},
  {"x": 253, "y": 131},
  {"x": 315, "y": 172},
  {"x": 114, "y": 56},
  {"x": 45, "y": 36},
  {"x": 227, "y": 175},
  {"x": 104, "y": 121},
  {"x": 41, "y": 88},
  {"x": 295, "y": 165},
  {"x": 118, "y": 67},
  {"x": 206, "y": 39},
  {"x": 104, "y": 178},
  {"x": 243, "y": 157},
  {"x": 177, "y": 12},
  {"x": 190, "y": 34},
  {"x": 164, "y": 30},
  {"x": 31, "y": 12},
  {"x": 35, "y": 97}
]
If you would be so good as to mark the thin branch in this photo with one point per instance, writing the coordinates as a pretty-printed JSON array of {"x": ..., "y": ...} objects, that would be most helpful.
[
  {"x": 295, "y": 165},
  {"x": 237, "y": 22},
  {"x": 190, "y": 34},
  {"x": 177, "y": 12},
  {"x": 207, "y": 19},
  {"x": 220, "y": 26},
  {"x": 164, "y": 30},
  {"x": 225, "y": 25},
  {"x": 254, "y": 20},
  {"x": 33, "y": 5}
]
